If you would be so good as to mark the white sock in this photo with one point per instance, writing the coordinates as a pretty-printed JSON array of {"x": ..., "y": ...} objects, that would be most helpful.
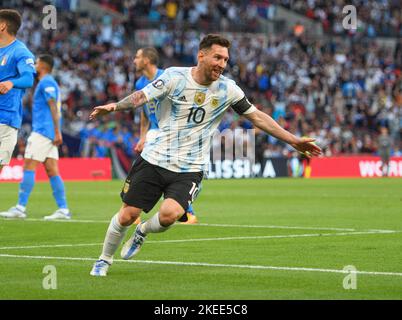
[
  {"x": 114, "y": 236},
  {"x": 153, "y": 225}
]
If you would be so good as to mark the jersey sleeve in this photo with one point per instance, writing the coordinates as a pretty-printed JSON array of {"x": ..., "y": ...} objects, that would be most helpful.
[
  {"x": 25, "y": 61},
  {"x": 49, "y": 91},
  {"x": 240, "y": 103},
  {"x": 137, "y": 86},
  {"x": 160, "y": 87}
]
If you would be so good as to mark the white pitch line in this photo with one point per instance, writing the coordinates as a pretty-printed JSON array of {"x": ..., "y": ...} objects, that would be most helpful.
[
  {"x": 270, "y": 227},
  {"x": 212, "y": 239},
  {"x": 53, "y": 246},
  {"x": 201, "y": 225},
  {"x": 208, "y": 225},
  {"x": 216, "y": 265},
  {"x": 279, "y": 236},
  {"x": 66, "y": 221}
]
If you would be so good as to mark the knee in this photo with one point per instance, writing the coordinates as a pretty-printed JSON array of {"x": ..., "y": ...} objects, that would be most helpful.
[
  {"x": 127, "y": 215},
  {"x": 30, "y": 165},
  {"x": 51, "y": 171},
  {"x": 167, "y": 218},
  {"x": 169, "y": 215}
]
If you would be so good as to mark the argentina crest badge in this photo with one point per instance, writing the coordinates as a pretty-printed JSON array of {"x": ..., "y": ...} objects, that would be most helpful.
[
  {"x": 199, "y": 98},
  {"x": 214, "y": 102}
]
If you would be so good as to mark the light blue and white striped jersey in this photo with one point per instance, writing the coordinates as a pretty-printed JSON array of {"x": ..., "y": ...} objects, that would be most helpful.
[{"x": 189, "y": 115}]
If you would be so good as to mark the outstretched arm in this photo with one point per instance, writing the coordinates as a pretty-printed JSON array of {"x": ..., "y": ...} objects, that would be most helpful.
[
  {"x": 132, "y": 101},
  {"x": 264, "y": 122}
]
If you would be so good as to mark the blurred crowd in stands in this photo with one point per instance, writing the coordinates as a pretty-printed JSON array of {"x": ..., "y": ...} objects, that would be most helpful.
[
  {"x": 223, "y": 15},
  {"x": 374, "y": 17},
  {"x": 336, "y": 89}
]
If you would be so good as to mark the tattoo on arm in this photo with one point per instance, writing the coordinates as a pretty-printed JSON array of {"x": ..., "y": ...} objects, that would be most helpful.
[{"x": 134, "y": 100}]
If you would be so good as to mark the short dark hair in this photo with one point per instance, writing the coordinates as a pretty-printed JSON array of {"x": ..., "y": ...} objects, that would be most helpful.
[
  {"x": 48, "y": 59},
  {"x": 211, "y": 39},
  {"x": 152, "y": 54},
  {"x": 12, "y": 18}
]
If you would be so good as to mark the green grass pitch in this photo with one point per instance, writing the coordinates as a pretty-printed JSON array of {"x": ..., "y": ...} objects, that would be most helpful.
[{"x": 257, "y": 239}]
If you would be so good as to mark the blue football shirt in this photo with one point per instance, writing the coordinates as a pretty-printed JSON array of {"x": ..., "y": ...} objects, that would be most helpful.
[
  {"x": 15, "y": 59},
  {"x": 151, "y": 108},
  {"x": 42, "y": 121}
]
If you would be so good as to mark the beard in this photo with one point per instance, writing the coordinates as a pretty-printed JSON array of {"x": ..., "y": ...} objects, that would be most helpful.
[
  {"x": 215, "y": 73},
  {"x": 139, "y": 69}
]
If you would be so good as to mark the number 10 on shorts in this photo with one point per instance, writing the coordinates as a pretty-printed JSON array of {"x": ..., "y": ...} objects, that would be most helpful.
[{"x": 194, "y": 191}]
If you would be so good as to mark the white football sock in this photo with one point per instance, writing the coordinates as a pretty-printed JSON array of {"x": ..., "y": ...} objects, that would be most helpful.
[
  {"x": 114, "y": 235},
  {"x": 153, "y": 225}
]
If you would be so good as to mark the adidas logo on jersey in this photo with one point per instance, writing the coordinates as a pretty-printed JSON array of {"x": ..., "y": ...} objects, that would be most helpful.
[{"x": 183, "y": 98}]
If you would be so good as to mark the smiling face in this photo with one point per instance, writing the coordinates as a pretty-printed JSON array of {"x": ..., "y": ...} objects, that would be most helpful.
[{"x": 212, "y": 61}]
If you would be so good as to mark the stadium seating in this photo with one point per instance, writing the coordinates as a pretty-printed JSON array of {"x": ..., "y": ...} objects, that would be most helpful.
[{"x": 339, "y": 90}]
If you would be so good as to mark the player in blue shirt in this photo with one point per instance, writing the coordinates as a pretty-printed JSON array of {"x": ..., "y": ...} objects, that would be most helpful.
[
  {"x": 146, "y": 62},
  {"x": 42, "y": 145},
  {"x": 16, "y": 74}
]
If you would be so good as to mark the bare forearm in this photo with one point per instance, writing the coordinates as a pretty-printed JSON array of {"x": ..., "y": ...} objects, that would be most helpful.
[
  {"x": 132, "y": 101},
  {"x": 55, "y": 115},
  {"x": 264, "y": 122},
  {"x": 304, "y": 145}
]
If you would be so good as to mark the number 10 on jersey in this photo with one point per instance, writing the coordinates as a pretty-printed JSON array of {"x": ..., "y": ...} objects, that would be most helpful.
[{"x": 197, "y": 115}]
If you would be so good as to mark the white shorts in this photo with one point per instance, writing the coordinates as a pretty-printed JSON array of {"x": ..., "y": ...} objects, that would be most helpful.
[
  {"x": 8, "y": 140},
  {"x": 40, "y": 147}
]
